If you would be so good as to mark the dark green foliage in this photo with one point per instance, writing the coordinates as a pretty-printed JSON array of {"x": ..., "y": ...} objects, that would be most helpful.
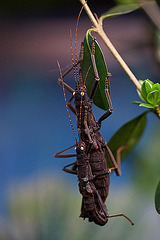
[
  {"x": 157, "y": 198},
  {"x": 100, "y": 98},
  {"x": 128, "y": 135}
]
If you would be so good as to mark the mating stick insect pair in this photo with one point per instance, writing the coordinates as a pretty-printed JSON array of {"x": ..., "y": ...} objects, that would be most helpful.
[{"x": 90, "y": 166}]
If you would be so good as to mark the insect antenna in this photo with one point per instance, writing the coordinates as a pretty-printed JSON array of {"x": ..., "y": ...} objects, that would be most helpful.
[
  {"x": 82, "y": 87},
  {"x": 87, "y": 74},
  {"x": 76, "y": 59},
  {"x": 79, "y": 77},
  {"x": 66, "y": 102},
  {"x": 81, "y": 82},
  {"x": 76, "y": 77}
]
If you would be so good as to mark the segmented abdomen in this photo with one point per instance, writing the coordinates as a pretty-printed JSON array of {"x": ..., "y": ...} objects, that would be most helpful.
[{"x": 99, "y": 168}]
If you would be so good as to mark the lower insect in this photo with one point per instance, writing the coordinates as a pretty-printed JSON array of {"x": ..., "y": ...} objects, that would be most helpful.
[{"x": 93, "y": 198}]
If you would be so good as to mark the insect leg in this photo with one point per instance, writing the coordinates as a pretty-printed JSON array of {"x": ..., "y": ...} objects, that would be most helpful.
[
  {"x": 70, "y": 90},
  {"x": 60, "y": 155},
  {"x": 118, "y": 154},
  {"x": 69, "y": 70},
  {"x": 102, "y": 205},
  {"x": 121, "y": 215},
  {"x": 71, "y": 107},
  {"x": 66, "y": 86},
  {"x": 86, "y": 126},
  {"x": 116, "y": 167},
  {"x": 95, "y": 70},
  {"x": 72, "y": 170},
  {"x": 75, "y": 65},
  {"x": 110, "y": 110}
]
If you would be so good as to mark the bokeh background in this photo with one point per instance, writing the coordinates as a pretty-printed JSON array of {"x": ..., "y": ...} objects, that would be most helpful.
[{"x": 37, "y": 200}]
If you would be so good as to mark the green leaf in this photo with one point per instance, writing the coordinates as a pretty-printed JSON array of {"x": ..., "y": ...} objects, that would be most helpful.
[
  {"x": 139, "y": 93},
  {"x": 149, "y": 81},
  {"x": 153, "y": 97},
  {"x": 141, "y": 96},
  {"x": 157, "y": 198},
  {"x": 147, "y": 105},
  {"x": 137, "y": 102},
  {"x": 127, "y": 135},
  {"x": 150, "y": 93},
  {"x": 156, "y": 86},
  {"x": 99, "y": 98},
  {"x": 146, "y": 88},
  {"x": 120, "y": 9}
]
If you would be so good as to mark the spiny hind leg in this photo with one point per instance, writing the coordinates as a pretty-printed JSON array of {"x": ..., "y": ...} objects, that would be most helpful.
[
  {"x": 95, "y": 84},
  {"x": 116, "y": 166}
]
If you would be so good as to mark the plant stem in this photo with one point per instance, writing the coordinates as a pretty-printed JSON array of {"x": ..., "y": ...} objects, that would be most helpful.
[
  {"x": 158, "y": 112},
  {"x": 99, "y": 29},
  {"x": 119, "y": 59}
]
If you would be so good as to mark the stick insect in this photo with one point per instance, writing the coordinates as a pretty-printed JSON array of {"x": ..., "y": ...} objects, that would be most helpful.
[{"x": 90, "y": 166}]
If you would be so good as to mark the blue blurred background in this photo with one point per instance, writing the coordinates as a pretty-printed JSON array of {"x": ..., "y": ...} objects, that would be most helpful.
[{"x": 38, "y": 200}]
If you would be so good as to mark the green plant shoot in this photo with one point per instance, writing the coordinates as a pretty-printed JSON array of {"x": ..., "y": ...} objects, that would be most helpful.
[{"x": 150, "y": 94}]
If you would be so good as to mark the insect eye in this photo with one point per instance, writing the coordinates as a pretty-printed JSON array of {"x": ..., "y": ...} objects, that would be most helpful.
[
  {"x": 82, "y": 93},
  {"x": 73, "y": 93},
  {"x": 82, "y": 148}
]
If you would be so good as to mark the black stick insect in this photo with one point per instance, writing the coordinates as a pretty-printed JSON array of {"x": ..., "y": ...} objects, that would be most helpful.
[{"x": 90, "y": 165}]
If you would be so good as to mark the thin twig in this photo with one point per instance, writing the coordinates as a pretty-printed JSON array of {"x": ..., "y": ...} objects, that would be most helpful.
[{"x": 99, "y": 29}]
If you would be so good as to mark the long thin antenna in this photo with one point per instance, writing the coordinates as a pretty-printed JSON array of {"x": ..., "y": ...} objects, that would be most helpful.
[
  {"x": 66, "y": 102},
  {"x": 77, "y": 33},
  {"x": 76, "y": 58},
  {"x": 87, "y": 74},
  {"x": 75, "y": 75}
]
